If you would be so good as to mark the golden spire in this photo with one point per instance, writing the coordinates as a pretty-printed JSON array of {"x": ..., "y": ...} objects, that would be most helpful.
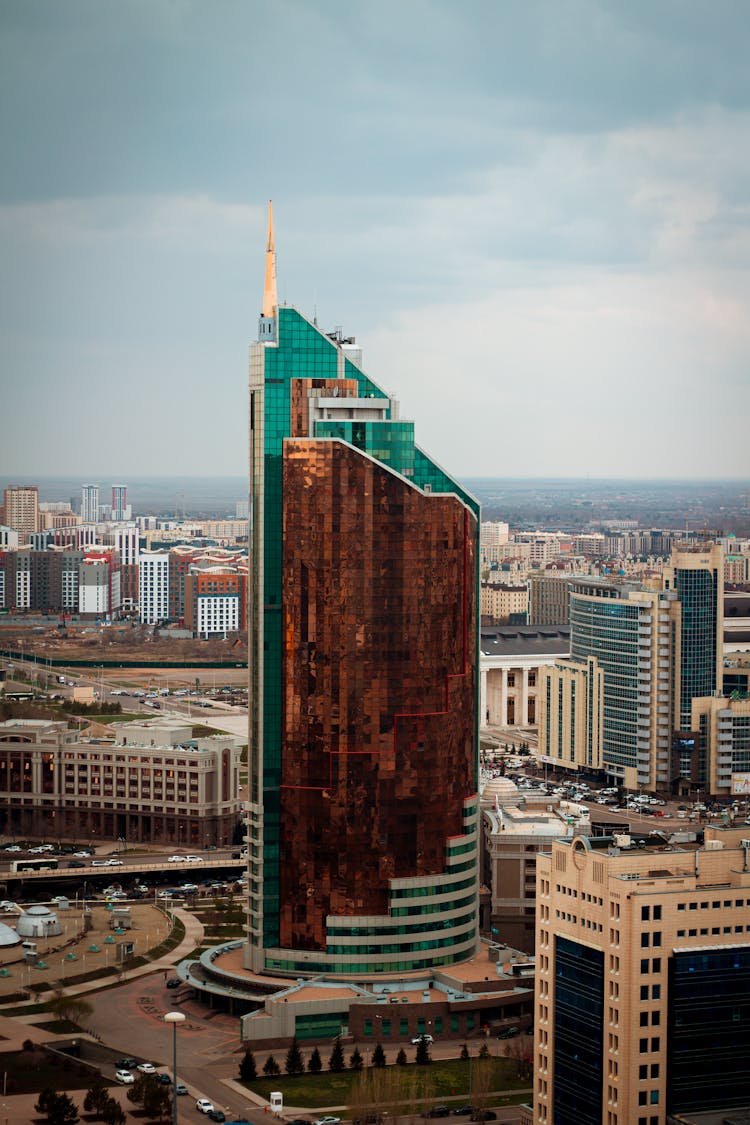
[{"x": 270, "y": 299}]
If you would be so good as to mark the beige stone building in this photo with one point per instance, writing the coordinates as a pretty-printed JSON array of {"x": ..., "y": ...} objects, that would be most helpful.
[
  {"x": 569, "y": 712},
  {"x": 643, "y": 978},
  {"x": 498, "y": 600},
  {"x": 21, "y": 507},
  {"x": 515, "y": 828},
  {"x": 152, "y": 782},
  {"x": 509, "y": 661}
]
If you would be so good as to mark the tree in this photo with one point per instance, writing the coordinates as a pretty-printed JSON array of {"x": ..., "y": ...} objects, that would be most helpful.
[
  {"x": 336, "y": 1061},
  {"x": 315, "y": 1063},
  {"x": 484, "y": 1051},
  {"x": 73, "y": 1008},
  {"x": 378, "y": 1056},
  {"x": 147, "y": 1092},
  {"x": 401, "y": 1057},
  {"x": 97, "y": 1096},
  {"x": 112, "y": 1112},
  {"x": 59, "y": 1108},
  {"x": 422, "y": 1057},
  {"x": 248, "y": 1069},
  {"x": 355, "y": 1060},
  {"x": 464, "y": 1052},
  {"x": 270, "y": 1067},
  {"x": 294, "y": 1062}
]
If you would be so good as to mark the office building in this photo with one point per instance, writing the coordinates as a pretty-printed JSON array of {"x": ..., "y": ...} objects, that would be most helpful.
[
  {"x": 21, "y": 507},
  {"x": 658, "y": 645},
  {"x": 643, "y": 980},
  {"x": 570, "y": 709},
  {"x": 90, "y": 503},
  {"x": 151, "y": 782},
  {"x": 629, "y": 630},
  {"x": 363, "y": 809},
  {"x": 696, "y": 574}
]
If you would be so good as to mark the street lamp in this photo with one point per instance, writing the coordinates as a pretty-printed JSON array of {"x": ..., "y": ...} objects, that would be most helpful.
[{"x": 174, "y": 1018}]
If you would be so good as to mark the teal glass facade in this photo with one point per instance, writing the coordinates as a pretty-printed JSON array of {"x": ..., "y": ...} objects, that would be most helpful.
[
  {"x": 309, "y": 667},
  {"x": 699, "y": 636},
  {"x": 607, "y": 628}
]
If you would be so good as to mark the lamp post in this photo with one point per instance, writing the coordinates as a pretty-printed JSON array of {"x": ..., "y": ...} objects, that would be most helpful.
[{"x": 174, "y": 1018}]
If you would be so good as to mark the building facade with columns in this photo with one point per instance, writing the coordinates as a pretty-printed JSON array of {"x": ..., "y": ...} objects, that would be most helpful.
[{"x": 509, "y": 662}]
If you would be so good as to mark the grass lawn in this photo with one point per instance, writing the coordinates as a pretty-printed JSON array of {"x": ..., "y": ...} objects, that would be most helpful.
[
  {"x": 443, "y": 1078},
  {"x": 125, "y": 717}
]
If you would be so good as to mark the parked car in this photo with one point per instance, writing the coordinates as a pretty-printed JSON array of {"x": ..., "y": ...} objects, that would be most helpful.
[
  {"x": 508, "y": 1032},
  {"x": 174, "y": 982},
  {"x": 216, "y": 1115},
  {"x": 464, "y": 1111},
  {"x": 203, "y": 1105},
  {"x": 180, "y": 1088},
  {"x": 146, "y": 1068},
  {"x": 127, "y": 1064},
  {"x": 163, "y": 1079},
  {"x": 125, "y": 1077},
  {"x": 419, "y": 1038},
  {"x": 327, "y": 1120},
  {"x": 438, "y": 1111}
]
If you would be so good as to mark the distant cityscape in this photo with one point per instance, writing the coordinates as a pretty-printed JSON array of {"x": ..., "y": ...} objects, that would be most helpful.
[{"x": 453, "y": 708}]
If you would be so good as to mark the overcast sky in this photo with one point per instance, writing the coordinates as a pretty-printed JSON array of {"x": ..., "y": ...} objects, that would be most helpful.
[{"x": 534, "y": 216}]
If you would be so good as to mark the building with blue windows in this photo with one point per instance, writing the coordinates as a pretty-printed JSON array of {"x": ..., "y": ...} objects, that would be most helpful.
[{"x": 643, "y": 980}]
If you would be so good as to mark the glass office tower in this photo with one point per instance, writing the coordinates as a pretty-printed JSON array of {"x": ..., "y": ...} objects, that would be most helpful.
[{"x": 362, "y": 818}]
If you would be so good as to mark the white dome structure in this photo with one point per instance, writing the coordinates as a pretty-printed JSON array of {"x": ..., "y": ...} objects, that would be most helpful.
[
  {"x": 8, "y": 936},
  {"x": 38, "y": 922},
  {"x": 500, "y": 791}
]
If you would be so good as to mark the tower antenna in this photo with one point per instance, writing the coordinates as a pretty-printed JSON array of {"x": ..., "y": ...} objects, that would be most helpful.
[{"x": 270, "y": 296}]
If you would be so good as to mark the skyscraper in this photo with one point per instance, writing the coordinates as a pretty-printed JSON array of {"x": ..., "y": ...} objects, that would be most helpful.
[
  {"x": 659, "y": 646},
  {"x": 89, "y": 503},
  {"x": 120, "y": 509},
  {"x": 697, "y": 574},
  {"x": 362, "y": 820}
]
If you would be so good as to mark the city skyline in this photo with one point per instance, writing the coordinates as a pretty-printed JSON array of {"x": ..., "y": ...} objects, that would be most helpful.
[{"x": 542, "y": 205}]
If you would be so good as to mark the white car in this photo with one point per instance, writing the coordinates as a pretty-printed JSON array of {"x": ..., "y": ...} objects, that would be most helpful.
[
  {"x": 419, "y": 1038},
  {"x": 203, "y": 1105},
  {"x": 125, "y": 1077},
  {"x": 328, "y": 1120},
  {"x": 176, "y": 859},
  {"x": 193, "y": 859},
  {"x": 147, "y": 1068}
]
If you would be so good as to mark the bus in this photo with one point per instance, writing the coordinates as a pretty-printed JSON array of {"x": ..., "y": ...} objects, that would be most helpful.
[{"x": 43, "y": 863}]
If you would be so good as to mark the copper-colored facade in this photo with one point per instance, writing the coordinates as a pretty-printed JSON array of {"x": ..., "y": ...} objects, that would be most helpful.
[
  {"x": 362, "y": 810},
  {"x": 379, "y": 684}
]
